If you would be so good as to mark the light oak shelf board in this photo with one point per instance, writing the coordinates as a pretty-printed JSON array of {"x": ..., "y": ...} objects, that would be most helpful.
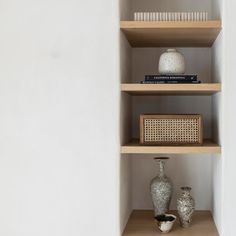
[
  {"x": 135, "y": 148},
  {"x": 171, "y": 89},
  {"x": 171, "y": 34},
  {"x": 141, "y": 223}
]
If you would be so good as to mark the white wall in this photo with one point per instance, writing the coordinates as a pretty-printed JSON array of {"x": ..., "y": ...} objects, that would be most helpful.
[
  {"x": 125, "y": 186},
  {"x": 217, "y": 131},
  {"x": 218, "y": 63},
  {"x": 229, "y": 96},
  {"x": 59, "y": 174},
  {"x": 125, "y": 134},
  {"x": 59, "y": 102}
]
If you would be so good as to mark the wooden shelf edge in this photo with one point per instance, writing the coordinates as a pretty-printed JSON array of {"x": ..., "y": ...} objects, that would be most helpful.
[
  {"x": 213, "y": 24},
  {"x": 134, "y": 147},
  {"x": 139, "y": 89},
  {"x": 171, "y": 33},
  {"x": 141, "y": 223}
]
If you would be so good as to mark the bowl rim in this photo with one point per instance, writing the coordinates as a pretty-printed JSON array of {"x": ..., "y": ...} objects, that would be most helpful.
[{"x": 166, "y": 215}]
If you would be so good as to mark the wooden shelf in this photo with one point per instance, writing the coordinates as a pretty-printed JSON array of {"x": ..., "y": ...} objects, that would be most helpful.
[
  {"x": 171, "y": 89},
  {"x": 171, "y": 34},
  {"x": 135, "y": 148},
  {"x": 141, "y": 223}
]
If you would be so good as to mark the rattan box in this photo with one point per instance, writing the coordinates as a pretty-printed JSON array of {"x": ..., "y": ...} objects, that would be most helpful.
[{"x": 171, "y": 129}]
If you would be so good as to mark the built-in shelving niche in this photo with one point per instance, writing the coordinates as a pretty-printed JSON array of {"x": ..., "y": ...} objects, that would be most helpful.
[{"x": 194, "y": 166}]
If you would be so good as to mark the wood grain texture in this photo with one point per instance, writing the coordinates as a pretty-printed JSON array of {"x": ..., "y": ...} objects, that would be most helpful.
[
  {"x": 141, "y": 223},
  {"x": 171, "y": 89},
  {"x": 171, "y": 34},
  {"x": 135, "y": 148}
]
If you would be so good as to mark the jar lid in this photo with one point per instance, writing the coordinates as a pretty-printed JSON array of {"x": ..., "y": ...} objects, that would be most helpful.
[{"x": 171, "y": 50}]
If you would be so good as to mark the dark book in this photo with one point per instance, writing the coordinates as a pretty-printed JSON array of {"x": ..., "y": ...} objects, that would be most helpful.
[
  {"x": 170, "y": 78},
  {"x": 171, "y": 82}
]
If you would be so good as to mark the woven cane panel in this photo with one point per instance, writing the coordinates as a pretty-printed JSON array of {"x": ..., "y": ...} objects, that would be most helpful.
[{"x": 172, "y": 130}]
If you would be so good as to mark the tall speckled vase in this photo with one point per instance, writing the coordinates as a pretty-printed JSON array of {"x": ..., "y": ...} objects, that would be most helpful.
[
  {"x": 161, "y": 189},
  {"x": 185, "y": 207}
]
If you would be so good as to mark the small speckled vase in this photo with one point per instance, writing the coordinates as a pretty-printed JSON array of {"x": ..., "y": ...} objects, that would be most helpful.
[
  {"x": 185, "y": 207},
  {"x": 161, "y": 189},
  {"x": 171, "y": 62}
]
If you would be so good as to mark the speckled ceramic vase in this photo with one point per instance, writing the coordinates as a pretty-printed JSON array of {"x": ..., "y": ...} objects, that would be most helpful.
[
  {"x": 171, "y": 62},
  {"x": 161, "y": 189},
  {"x": 185, "y": 207}
]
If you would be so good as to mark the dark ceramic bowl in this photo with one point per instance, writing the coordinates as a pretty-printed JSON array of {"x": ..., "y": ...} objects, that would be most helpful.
[{"x": 165, "y": 222}]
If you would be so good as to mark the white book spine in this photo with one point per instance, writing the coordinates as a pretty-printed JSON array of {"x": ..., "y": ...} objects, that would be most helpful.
[
  {"x": 170, "y": 16},
  {"x": 197, "y": 16},
  {"x": 154, "y": 16},
  {"x": 141, "y": 16},
  {"x": 203, "y": 16}
]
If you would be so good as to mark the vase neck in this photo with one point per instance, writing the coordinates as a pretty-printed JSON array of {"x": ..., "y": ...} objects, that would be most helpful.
[
  {"x": 161, "y": 168},
  {"x": 186, "y": 191},
  {"x": 161, "y": 163}
]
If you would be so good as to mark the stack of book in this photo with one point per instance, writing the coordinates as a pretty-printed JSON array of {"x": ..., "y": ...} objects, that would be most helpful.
[
  {"x": 171, "y": 16},
  {"x": 170, "y": 79}
]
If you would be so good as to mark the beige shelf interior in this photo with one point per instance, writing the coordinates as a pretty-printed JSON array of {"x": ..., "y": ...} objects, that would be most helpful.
[
  {"x": 171, "y": 34},
  {"x": 171, "y": 89},
  {"x": 135, "y": 148},
  {"x": 141, "y": 223}
]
